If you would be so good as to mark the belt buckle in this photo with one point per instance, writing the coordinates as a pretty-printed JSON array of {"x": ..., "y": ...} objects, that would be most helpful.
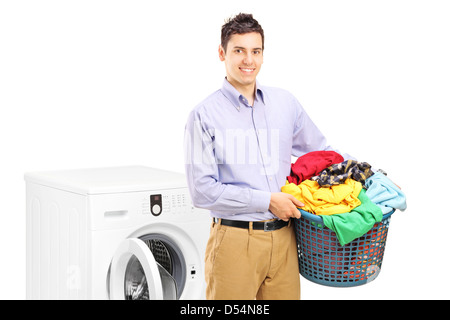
[{"x": 269, "y": 226}]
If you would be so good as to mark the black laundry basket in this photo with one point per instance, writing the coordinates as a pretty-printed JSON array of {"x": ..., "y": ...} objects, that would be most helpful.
[{"x": 324, "y": 261}]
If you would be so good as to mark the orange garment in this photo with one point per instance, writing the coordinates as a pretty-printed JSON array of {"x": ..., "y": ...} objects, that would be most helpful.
[{"x": 326, "y": 200}]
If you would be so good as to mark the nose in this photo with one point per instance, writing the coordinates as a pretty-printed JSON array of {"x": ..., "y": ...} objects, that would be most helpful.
[{"x": 248, "y": 59}]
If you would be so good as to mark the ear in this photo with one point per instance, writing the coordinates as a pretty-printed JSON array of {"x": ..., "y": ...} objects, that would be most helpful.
[{"x": 221, "y": 53}]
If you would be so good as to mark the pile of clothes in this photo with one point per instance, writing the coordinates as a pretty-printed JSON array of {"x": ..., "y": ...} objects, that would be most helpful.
[{"x": 348, "y": 195}]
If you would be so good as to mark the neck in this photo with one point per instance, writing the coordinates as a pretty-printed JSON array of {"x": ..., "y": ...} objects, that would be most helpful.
[{"x": 248, "y": 91}]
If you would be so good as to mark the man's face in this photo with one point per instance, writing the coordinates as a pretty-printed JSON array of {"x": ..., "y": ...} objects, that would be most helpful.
[{"x": 243, "y": 59}]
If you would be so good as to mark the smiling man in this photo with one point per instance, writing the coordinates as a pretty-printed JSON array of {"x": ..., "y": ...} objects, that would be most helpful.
[
  {"x": 243, "y": 57},
  {"x": 238, "y": 147}
]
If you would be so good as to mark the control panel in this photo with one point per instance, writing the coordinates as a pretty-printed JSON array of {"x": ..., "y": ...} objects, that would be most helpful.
[
  {"x": 156, "y": 204},
  {"x": 168, "y": 202}
]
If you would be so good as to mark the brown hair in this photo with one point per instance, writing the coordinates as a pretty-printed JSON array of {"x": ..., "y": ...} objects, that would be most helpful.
[{"x": 240, "y": 24}]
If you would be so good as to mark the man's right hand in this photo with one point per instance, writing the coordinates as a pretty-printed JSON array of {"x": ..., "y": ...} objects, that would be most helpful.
[{"x": 284, "y": 206}]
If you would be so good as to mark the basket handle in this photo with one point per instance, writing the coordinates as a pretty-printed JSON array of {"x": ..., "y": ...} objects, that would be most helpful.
[
  {"x": 310, "y": 216},
  {"x": 318, "y": 219}
]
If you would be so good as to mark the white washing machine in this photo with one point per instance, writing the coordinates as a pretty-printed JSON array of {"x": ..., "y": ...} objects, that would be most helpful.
[{"x": 114, "y": 233}]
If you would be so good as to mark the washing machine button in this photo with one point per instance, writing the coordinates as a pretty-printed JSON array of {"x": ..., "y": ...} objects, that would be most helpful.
[{"x": 156, "y": 209}]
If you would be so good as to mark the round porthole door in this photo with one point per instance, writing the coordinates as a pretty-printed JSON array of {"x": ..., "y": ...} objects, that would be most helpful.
[{"x": 136, "y": 275}]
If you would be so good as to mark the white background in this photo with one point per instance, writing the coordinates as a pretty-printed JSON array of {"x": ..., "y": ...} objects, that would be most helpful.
[{"x": 106, "y": 83}]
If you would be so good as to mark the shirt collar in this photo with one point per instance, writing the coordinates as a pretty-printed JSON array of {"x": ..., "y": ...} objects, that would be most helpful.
[{"x": 234, "y": 96}]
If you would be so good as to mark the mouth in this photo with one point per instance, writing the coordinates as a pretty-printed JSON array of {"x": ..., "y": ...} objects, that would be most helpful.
[{"x": 247, "y": 70}]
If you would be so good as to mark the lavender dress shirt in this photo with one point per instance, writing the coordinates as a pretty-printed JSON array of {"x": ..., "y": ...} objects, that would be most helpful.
[{"x": 236, "y": 155}]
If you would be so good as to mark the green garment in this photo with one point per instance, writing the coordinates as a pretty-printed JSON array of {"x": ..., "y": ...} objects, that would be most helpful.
[{"x": 354, "y": 224}]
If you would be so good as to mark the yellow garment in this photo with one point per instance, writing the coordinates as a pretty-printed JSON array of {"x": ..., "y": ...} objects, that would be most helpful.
[{"x": 326, "y": 200}]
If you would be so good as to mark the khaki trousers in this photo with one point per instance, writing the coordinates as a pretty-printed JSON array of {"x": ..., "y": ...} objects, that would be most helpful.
[{"x": 244, "y": 264}]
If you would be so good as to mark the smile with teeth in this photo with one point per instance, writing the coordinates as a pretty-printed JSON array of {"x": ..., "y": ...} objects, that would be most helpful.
[{"x": 247, "y": 69}]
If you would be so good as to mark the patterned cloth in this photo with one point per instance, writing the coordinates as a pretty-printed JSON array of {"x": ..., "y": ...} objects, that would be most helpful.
[{"x": 338, "y": 173}]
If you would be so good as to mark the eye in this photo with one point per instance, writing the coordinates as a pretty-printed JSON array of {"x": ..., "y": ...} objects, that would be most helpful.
[
  {"x": 238, "y": 51},
  {"x": 256, "y": 52}
]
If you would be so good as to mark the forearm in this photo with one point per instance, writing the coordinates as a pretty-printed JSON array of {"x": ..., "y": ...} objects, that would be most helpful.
[{"x": 208, "y": 193}]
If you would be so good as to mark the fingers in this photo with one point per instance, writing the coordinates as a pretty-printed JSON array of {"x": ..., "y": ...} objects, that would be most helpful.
[
  {"x": 296, "y": 213},
  {"x": 293, "y": 213},
  {"x": 285, "y": 206},
  {"x": 296, "y": 201}
]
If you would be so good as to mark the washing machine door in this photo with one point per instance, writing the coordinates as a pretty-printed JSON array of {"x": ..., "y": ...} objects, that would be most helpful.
[{"x": 135, "y": 274}]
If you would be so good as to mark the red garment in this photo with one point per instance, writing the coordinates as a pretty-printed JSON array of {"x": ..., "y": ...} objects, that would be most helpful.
[{"x": 311, "y": 164}]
